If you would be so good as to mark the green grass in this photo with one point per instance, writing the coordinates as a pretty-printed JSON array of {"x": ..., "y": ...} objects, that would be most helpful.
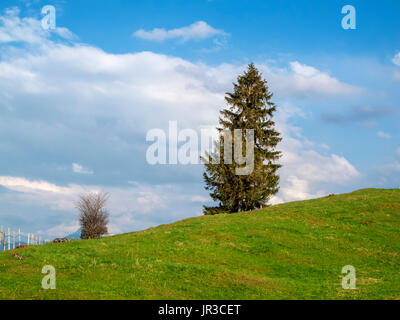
[{"x": 290, "y": 251}]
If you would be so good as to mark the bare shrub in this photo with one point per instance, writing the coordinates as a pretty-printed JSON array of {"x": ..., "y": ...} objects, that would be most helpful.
[{"x": 93, "y": 216}]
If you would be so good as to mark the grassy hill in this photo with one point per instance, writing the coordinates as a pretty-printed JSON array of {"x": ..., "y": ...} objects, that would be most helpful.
[{"x": 290, "y": 251}]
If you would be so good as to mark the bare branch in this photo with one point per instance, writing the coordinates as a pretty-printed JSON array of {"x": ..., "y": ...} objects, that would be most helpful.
[{"x": 93, "y": 216}]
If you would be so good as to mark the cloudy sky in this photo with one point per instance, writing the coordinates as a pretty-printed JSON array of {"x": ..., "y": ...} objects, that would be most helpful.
[{"x": 77, "y": 102}]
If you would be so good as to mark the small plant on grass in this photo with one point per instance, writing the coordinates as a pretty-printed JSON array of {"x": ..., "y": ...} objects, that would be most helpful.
[{"x": 93, "y": 216}]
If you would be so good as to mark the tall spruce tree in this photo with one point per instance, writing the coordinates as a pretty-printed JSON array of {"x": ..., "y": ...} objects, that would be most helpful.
[{"x": 250, "y": 107}]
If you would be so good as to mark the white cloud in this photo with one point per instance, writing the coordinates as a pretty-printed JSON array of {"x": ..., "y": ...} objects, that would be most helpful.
[
  {"x": 310, "y": 80},
  {"x": 396, "y": 59},
  {"x": 398, "y": 151},
  {"x": 306, "y": 173},
  {"x": 382, "y": 134},
  {"x": 200, "y": 199},
  {"x": 24, "y": 185},
  {"x": 43, "y": 192},
  {"x": 197, "y": 30},
  {"x": 77, "y": 168},
  {"x": 295, "y": 189},
  {"x": 28, "y": 30},
  {"x": 137, "y": 86},
  {"x": 139, "y": 198},
  {"x": 304, "y": 70},
  {"x": 65, "y": 33}
]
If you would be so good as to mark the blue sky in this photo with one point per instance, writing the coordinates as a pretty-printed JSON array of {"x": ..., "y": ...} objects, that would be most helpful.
[{"x": 76, "y": 102}]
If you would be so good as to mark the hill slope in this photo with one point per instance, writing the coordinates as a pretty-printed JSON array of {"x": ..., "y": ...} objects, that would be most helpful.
[{"x": 292, "y": 251}]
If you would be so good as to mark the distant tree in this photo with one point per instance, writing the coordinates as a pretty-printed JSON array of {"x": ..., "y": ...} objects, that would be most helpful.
[
  {"x": 93, "y": 216},
  {"x": 250, "y": 107}
]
